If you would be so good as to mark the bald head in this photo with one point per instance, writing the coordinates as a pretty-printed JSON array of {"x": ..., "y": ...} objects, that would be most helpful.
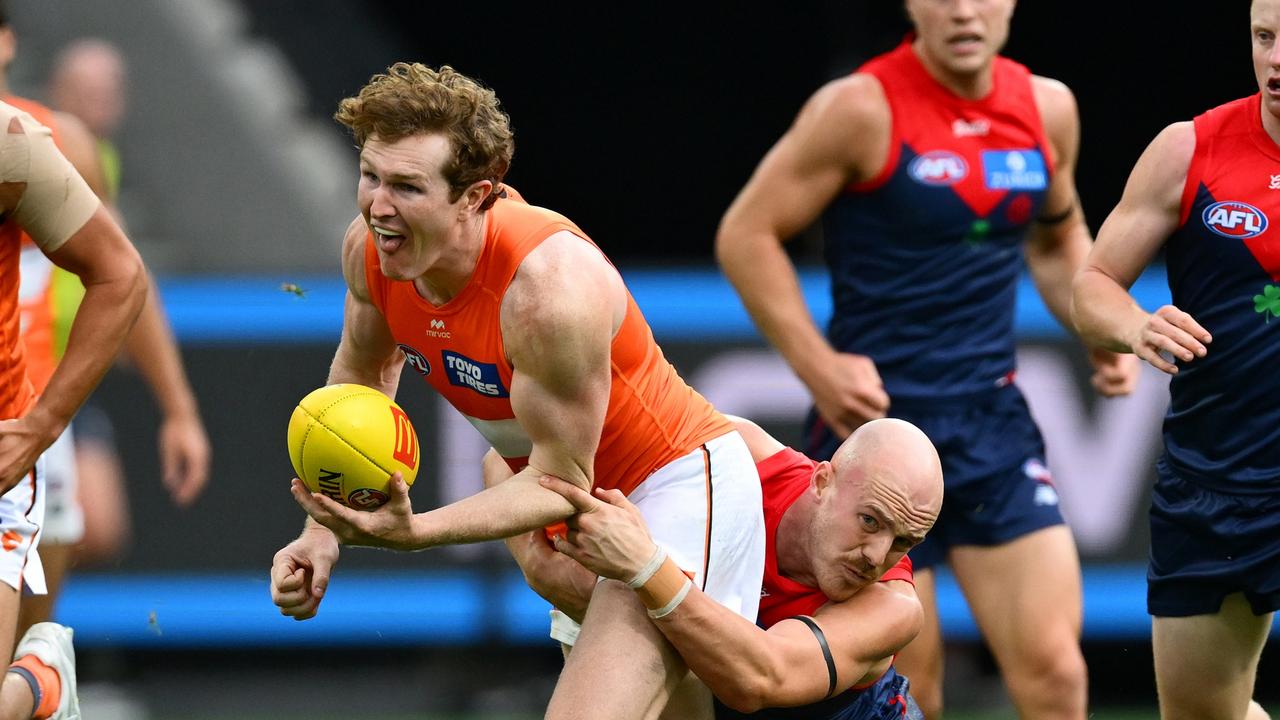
[
  {"x": 895, "y": 459},
  {"x": 88, "y": 81}
]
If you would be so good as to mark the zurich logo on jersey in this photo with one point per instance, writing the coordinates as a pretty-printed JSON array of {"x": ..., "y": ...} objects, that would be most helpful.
[
  {"x": 938, "y": 167},
  {"x": 1014, "y": 170},
  {"x": 1234, "y": 219}
]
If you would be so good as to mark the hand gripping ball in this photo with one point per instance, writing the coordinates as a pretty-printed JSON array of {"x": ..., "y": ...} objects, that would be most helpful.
[{"x": 346, "y": 440}]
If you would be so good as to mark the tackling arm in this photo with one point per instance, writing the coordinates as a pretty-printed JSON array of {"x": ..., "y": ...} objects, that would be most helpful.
[
  {"x": 749, "y": 668},
  {"x": 746, "y": 667}
]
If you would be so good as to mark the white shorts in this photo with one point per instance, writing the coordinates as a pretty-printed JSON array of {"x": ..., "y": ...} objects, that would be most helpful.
[
  {"x": 63, "y": 517},
  {"x": 706, "y": 511},
  {"x": 21, "y": 514}
]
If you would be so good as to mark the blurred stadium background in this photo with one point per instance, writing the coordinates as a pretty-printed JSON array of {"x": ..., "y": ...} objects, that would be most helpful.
[{"x": 638, "y": 122}]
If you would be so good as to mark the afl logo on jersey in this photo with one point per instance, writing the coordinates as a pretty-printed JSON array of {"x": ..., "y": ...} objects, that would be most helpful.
[
  {"x": 938, "y": 167},
  {"x": 1233, "y": 219},
  {"x": 415, "y": 360}
]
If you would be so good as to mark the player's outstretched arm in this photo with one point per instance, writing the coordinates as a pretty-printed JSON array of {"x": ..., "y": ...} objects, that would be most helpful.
[
  {"x": 1147, "y": 214},
  {"x": 1059, "y": 240},
  {"x": 746, "y": 667},
  {"x": 843, "y": 129}
]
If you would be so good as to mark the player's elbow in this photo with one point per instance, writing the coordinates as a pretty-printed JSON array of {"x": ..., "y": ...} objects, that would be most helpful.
[
  {"x": 745, "y": 702},
  {"x": 733, "y": 240},
  {"x": 752, "y": 692},
  {"x": 725, "y": 245},
  {"x": 134, "y": 281}
]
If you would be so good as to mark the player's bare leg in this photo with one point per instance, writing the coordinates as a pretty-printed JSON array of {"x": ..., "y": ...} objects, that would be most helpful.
[
  {"x": 16, "y": 700},
  {"x": 39, "y": 608},
  {"x": 1026, "y": 598},
  {"x": 690, "y": 701},
  {"x": 922, "y": 660},
  {"x": 1206, "y": 664},
  {"x": 621, "y": 667}
]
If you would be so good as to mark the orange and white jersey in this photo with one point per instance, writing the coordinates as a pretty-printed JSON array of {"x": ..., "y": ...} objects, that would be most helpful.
[
  {"x": 653, "y": 417},
  {"x": 55, "y": 203}
]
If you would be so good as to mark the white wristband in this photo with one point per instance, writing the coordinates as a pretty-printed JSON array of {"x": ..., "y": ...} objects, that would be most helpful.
[
  {"x": 649, "y": 569},
  {"x": 670, "y": 607}
]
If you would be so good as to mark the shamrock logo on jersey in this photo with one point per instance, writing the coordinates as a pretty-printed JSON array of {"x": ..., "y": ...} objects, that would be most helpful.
[{"x": 1268, "y": 303}]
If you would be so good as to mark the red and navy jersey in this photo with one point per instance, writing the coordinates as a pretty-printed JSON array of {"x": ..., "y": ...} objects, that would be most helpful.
[
  {"x": 925, "y": 257},
  {"x": 784, "y": 476},
  {"x": 1222, "y": 430}
]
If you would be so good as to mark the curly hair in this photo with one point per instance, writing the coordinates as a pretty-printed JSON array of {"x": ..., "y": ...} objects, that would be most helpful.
[{"x": 411, "y": 99}]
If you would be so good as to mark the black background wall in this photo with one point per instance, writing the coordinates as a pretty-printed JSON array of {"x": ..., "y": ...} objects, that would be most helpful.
[{"x": 641, "y": 121}]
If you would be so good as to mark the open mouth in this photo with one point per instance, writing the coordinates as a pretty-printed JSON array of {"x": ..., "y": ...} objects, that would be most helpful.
[
  {"x": 1273, "y": 85},
  {"x": 388, "y": 240}
]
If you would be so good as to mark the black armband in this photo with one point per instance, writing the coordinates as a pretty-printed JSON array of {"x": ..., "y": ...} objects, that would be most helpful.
[{"x": 826, "y": 651}]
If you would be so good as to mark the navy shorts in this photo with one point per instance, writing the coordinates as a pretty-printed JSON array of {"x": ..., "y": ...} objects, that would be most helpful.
[
  {"x": 888, "y": 698},
  {"x": 1206, "y": 545},
  {"x": 998, "y": 488}
]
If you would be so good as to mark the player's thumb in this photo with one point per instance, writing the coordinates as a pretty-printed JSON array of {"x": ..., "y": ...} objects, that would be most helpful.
[
  {"x": 319, "y": 582},
  {"x": 399, "y": 488},
  {"x": 613, "y": 496}
]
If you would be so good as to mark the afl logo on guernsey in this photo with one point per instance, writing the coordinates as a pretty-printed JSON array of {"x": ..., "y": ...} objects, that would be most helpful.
[
  {"x": 1233, "y": 219},
  {"x": 415, "y": 360},
  {"x": 938, "y": 167}
]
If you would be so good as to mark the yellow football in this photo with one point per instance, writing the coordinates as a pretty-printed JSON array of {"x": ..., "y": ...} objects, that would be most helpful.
[{"x": 346, "y": 440}]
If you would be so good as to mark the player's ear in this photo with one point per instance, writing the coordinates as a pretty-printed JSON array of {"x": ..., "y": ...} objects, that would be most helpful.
[
  {"x": 474, "y": 197},
  {"x": 823, "y": 475}
]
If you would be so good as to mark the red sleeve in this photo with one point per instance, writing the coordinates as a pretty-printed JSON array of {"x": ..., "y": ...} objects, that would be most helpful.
[
  {"x": 784, "y": 464},
  {"x": 901, "y": 571}
]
